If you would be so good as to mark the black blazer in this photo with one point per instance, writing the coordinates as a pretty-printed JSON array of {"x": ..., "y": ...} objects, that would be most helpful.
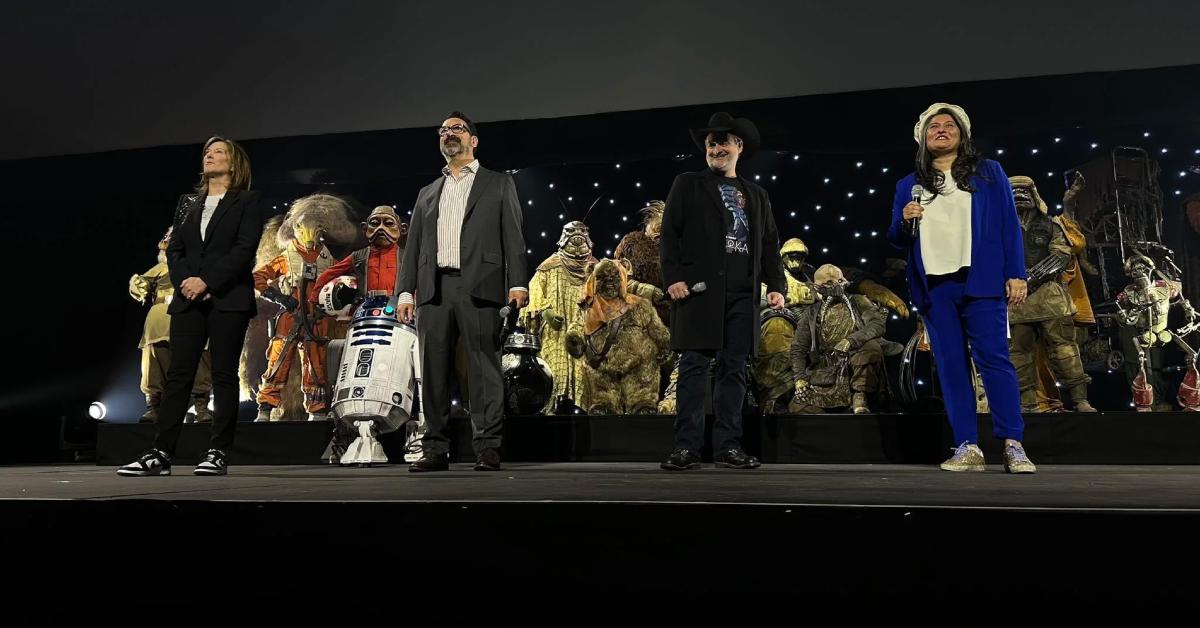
[
  {"x": 224, "y": 259},
  {"x": 693, "y": 250},
  {"x": 491, "y": 244}
]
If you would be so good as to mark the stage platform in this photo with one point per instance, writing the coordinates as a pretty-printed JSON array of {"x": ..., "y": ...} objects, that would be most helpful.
[
  {"x": 1060, "y": 438},
  {"x": 565, "y": 542}
]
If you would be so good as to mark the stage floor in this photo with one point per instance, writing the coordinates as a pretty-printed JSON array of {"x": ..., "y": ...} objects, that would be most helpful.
[{"x": 1055, "y": 487}]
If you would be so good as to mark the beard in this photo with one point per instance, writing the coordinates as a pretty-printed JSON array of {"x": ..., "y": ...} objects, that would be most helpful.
[
  {"x": 452, "y": 148},
  {"x": 381, "y": 238}
]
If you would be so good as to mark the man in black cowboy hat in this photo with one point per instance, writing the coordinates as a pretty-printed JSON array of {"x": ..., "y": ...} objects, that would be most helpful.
[{"x": 718, "y": 231}]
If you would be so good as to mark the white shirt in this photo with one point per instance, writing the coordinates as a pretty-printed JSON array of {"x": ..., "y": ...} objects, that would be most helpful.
[
  {"x": 945, "y": 230},
  {"x": 210, "y": 206},
  {"x": 452, "y": 209}
]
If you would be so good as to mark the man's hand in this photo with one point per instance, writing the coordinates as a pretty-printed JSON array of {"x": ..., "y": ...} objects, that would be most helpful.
[
  {"x": 1016, "y": 290},
  {"x": 405, "y": 312},
  {"x": 520, "y": 296},
  {"x": 678, "y": 290},
  {"x": 775, "y": 300},
  {"x": 193, "y": 287}
]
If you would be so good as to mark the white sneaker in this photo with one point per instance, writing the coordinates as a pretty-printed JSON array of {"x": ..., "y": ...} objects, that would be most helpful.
[
  {"x": 153, "y": 462},
  {"x": 213, "y": 464}
]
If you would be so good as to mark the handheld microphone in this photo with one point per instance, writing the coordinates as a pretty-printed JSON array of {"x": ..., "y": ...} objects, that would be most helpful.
[
  {"x": 914, "y": 223},
  {"x": 699, "y": 287},
  {"x": 508, "y": 309}
]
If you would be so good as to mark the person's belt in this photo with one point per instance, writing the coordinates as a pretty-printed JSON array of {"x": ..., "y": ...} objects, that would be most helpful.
[{"x": 446, "y": 271}]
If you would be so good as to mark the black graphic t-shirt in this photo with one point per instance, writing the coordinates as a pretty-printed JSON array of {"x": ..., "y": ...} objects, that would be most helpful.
[{"x": 738, "y": 267}]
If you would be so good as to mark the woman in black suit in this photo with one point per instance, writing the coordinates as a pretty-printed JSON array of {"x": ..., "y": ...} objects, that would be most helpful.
[{"x": 210, "y": 258}]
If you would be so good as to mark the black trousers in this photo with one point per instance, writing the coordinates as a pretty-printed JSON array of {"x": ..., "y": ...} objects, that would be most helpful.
[
  {"x": 225, "y": 332},
  {"x": 453, "y": 313},
  {"x": 729, "y": 389}
]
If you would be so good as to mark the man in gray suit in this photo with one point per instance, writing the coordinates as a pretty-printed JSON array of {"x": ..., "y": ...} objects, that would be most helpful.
[{"x": 464, "y": 261}]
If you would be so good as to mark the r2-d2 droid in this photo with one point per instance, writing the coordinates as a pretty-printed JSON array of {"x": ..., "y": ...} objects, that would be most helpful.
[{"x": 378, "y": 382}]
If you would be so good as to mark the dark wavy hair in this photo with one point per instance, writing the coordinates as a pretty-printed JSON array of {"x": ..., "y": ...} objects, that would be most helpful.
[{"x": 965, "y": 165}]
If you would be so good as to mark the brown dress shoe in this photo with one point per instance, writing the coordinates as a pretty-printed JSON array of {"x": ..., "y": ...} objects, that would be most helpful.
[{"x": 430, "y": 462}]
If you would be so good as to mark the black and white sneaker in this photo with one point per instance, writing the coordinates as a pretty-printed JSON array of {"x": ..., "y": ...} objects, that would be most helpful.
[
  {"x": 213, "y": 464},
  {"x": 153, "y": 462}
]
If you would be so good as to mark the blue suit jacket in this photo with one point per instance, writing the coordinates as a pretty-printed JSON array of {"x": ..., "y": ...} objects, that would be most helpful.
[{"x": 997, "y": 248}]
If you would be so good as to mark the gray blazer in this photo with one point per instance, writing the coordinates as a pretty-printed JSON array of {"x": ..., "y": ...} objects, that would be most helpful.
[{"x": 492, "y": 245}]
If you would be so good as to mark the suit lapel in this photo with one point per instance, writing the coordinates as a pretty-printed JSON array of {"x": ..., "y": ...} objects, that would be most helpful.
[
  {"x": 482, "y": 179},
  {"x": 219, "y": 213}
]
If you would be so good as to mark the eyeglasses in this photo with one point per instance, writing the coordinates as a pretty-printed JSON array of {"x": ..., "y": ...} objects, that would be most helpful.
[{"x": 456, "y": 129}]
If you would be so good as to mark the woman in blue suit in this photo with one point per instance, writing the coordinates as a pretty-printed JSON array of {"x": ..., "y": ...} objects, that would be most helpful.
[{"x": 956, "y": 219}]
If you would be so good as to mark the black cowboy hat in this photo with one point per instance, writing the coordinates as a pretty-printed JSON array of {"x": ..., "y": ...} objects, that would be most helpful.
[{"x": 722, "y": 122}]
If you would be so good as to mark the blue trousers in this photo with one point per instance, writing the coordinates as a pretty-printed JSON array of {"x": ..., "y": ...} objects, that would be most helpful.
[{"x": 954, "y": 319}]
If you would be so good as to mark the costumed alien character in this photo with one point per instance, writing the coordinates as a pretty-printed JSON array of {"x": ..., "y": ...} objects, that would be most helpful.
[
  {"x": 837, "y": 359},
  {"x": 1144, "y": 306},
  {"x": 554, "y": 307},
  {"x": 621, "y": 342},
  {"x": 1047, "y": 316},
  {"x": 772, "y": 373},
  {"x": 643, "y": 249},
  {"x": 154, "y": 288},
  {"x": 369, "y": 271},
  {"x": 301, "y": 330}
]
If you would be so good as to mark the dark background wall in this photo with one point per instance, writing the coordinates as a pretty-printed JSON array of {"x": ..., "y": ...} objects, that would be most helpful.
[{"x": 84, "y": 76}]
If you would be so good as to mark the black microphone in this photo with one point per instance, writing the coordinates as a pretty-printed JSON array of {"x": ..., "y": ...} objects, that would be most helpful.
[
  {"x": 506, "y": 310},
  {"x": 914, "y": 223}
]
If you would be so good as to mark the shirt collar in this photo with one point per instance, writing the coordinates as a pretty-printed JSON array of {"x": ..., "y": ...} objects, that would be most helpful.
[{"x": 470, "y": 168}]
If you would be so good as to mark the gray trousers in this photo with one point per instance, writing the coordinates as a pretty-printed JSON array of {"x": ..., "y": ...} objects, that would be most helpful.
[{"x": 451, "y": 315}]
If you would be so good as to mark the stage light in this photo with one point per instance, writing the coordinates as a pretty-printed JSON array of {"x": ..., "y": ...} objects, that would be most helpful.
[
  {"x": 570, "y": 199},
  {"x": 858, "y": 164},
  {"x": 1177, "y": 192},
  {"x": 826, "y": 179},
  {"x": 1057, "y": 140},
  {"x": 551, "y": 186},
  {"x": 756, "y": 177},
  {"x": 624, "y": 218},
  {"x": 874, "y": 233},
  {"x": 842, "y": 218},
  {"x": 920, "y": 382},
  {"x": 895, "y": 318},
  {"x": 999, "y": 151},
  {"x": 638, "y": 184},
  {"x": 1058, "y": 205},
  {"x": 97, "y": 411},
  {"x": 596, "y": 184},
  {"x": 612, "y": 201},
  {"x": 825, "y": 249},
  {"x": 1034, "y": 151},
  {"x": 806, "y": 227},
  {"x": 1095, "y": 145},
  {"x": 1183, "y": 173},
  {"x": 618, "y": 166},
  {"x": 529, "y": 251},
  {"x": 818, "y": 208},
  {"x": 795, "y": 157},
  {"x": 793, "y": 214},
  {"x": 870, "y": 190},
  {"x": 454, "y": 402},
  {"x": 616, "y": 236},
  {"x": 1146, "y": 134},
  {"x": 1049, "y": 174},
  {"x": 849, "y": 194},
  {"x": 862, "y": 260},
  {"x": 543, "y": 234},
  {"x": 529, "y": 202},
  {"x": 857, "y": 234},
  {"x": 560, "y": 216},
  {"x": 609, "y": 252},
  {"x": 773, "y": 177},
  {"x": 884, "y": 170}
]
